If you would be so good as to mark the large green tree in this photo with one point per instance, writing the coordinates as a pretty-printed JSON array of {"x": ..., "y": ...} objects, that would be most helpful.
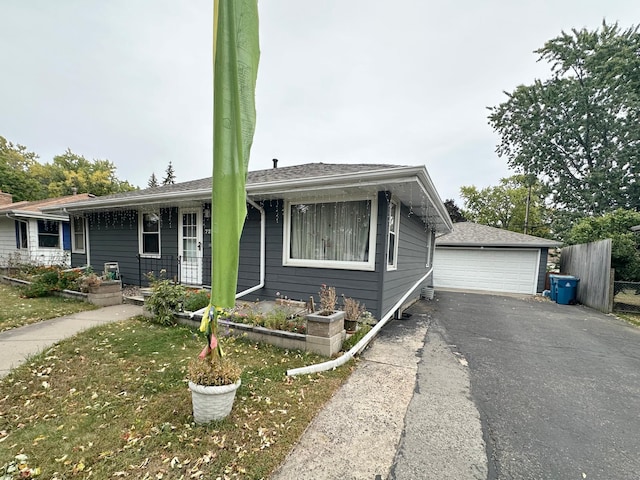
[
  {"x": 16, "y": 163},
  {"x": 71, "y": 172},
  {"x": 505, "y": 205},
  {"x": 616, "y": 225},
  {"x": 578, "y": 130},
  {"x": 27, "y": 179}
]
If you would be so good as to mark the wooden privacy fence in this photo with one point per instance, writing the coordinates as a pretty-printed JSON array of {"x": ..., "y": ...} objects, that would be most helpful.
[{"x": 591, "y": 263}]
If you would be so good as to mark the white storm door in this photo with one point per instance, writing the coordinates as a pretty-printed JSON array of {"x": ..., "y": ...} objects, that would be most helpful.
[{"x": 190, "y": 246}]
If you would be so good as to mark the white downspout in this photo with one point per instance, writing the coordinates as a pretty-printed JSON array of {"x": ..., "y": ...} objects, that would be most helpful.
[
  {"x": 358, "y": 347},
  {"x": 263, "y": 227}
]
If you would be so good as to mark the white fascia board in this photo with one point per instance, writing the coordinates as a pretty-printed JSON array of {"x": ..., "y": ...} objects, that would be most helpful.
[
  {"x": 37, "y": 215},
  {"x": 431, "y": 192},
  {"x": 496, "y": 245},
  {"x": 375, "y": 178},
  {"x": 135, "y": 201}
]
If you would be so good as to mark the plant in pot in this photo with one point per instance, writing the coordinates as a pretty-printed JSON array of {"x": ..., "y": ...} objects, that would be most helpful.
[
  {"x": 90, "y": 283},
  {"x": 353, "y": 309},
  {"x": 328, "y": 300},
  {"x": 213, "y": 378}
]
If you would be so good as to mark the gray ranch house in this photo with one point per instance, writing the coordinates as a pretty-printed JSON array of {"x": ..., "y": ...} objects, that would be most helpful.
[{"x": 367, "y": 230}]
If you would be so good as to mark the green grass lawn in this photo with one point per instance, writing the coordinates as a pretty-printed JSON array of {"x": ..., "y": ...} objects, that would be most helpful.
[
  {"x": 17, "y": 311},
  {"x": 113, "y": 402}
]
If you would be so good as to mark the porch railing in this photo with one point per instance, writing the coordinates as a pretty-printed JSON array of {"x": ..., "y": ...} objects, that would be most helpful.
[{"x": 191, "y": 271}]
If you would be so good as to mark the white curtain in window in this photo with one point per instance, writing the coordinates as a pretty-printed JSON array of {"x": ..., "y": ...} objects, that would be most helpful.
[{"x": 336, "y": 231}]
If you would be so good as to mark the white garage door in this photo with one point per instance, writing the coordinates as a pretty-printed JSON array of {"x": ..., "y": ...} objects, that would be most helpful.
[{"x": 498, "y": 270}]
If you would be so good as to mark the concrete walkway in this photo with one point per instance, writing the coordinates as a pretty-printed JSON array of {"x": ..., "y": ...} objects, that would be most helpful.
[
  {"x": 391, "y": 420},
  {"x": 18, "y": 344}
]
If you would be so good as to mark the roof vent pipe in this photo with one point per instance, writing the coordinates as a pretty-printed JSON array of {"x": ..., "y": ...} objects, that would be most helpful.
[{"x": 275, "y": 163}]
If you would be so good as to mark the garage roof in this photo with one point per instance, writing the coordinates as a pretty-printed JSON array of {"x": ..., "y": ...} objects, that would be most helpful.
[{"x": 469, "y": 234}]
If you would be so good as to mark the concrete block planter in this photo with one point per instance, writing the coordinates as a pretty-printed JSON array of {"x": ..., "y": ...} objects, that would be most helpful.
[
  {"x": 320, "y": 343},
  {"x": 109, "y": 292},
  {"x": 325, "y": 333}
]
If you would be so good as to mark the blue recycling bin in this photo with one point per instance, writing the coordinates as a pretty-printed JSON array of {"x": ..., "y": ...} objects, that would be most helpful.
[
  {"x": 567, "y": 289},
  {"x": 553, "y": 284}
]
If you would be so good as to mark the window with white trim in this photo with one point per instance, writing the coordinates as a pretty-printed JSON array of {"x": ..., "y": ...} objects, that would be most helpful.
[
  {"x": 429, "y": 243},
  {"x": 22, "y": 235},
  {"x": 150, "y": 234},
  {"x": 77, "y": 235},
  {"x": 331, "y": 234},
  {"x": 48, "y": 234},
  {"x": 393, "y": 223}
]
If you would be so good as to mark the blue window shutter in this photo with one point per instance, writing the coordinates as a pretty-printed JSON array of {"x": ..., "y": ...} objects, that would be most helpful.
[
  {"x": 66, "y": 236},
  {"x": 18, "y": 243}
]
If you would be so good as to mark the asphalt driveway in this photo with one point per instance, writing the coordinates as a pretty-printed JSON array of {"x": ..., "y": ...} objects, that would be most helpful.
[{"x": 557, "y": 387}]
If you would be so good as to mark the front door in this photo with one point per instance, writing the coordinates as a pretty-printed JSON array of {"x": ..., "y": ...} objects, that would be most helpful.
[{"x": 190, "y": 246}]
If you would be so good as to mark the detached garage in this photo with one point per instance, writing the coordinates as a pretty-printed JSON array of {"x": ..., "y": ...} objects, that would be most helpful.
[{"x": 477, "y": 257}]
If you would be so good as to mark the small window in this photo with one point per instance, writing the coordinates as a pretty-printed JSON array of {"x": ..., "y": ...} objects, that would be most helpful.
[
  {"x": 77, "y": 235},
  {"x": 392, "y": 236},
  {"x": 331, "y": 234},
  {"x": 48, "y": 234},
  {"x": 22, "y": 238},
  {"x": 150, "y": 234}
]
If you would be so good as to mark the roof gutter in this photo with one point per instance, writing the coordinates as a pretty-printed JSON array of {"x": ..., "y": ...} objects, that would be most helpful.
[
  {"x": 358, "y": 347},
  {"x": 15, "y": 214},
  {"x": 315, "y": 184},
  {"x": 439, "y": 206}
]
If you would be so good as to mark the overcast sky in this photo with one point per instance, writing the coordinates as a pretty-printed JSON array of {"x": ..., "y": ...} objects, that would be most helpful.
[{"x": 357, "y": 81}]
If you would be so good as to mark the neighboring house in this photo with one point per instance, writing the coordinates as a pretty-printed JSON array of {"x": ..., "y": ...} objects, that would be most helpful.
[
  {"x": 477, "y": 257},
  {"x": 29, "y": 235},
  {"x": 367, "y": 230}
]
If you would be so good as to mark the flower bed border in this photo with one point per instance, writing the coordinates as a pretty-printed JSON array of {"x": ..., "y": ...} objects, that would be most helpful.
[
  {"x": 98, "y": 299},
  {"x": 277, "y": 338}
]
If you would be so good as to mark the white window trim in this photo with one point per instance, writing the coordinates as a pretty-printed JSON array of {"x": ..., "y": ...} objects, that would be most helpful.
[
  {"x": 396, "y": 232},
  {"x": 140, "y": 235},
  {"x": 57, "y": 247},
  {"x": 74, "y": 247},
  {"x": 369, "y": 265},
  {"x": 26, "y": 231}
]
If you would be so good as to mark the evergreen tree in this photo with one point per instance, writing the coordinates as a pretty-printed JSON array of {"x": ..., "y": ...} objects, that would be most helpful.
[
  {"x": 454, "y": 211},
  {"x": 153, "y": 181},
  {"x": 169, "y": 176}
]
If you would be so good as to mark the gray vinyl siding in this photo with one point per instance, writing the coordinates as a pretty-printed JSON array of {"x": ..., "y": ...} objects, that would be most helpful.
[
  {"x": 78, "y": 259},
  {"x": 113, "y": 237},
  {"x": 249, "y": 263},
  {"x": 300, "y": 283},
  {"x": 412, "y": 259},
  {"x": 542, "y": 269}
]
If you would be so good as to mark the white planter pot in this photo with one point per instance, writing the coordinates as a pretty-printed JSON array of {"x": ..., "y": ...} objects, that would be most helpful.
[{"x": 212, "y": 403}]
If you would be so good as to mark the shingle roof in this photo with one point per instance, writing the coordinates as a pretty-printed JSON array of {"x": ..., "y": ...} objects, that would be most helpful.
[
  {"x": 410, "y": 184},
  {"x": 36, "y": 206},
  {"x": 293, "y": 173},
  {"x": 471, "y": 234}
]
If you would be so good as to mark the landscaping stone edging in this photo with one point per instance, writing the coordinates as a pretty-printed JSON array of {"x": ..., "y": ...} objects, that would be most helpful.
[
  {"x": 100, "y": 299},
  {"x": 278, "y": 338}
]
